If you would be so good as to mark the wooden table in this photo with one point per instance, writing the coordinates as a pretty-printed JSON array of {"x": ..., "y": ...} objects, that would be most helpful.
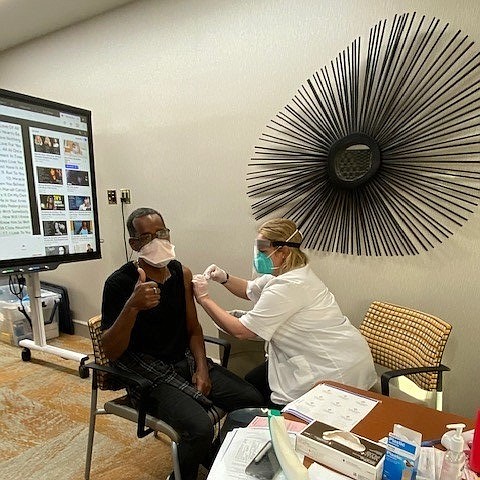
[{"x": 379, "y": 422}]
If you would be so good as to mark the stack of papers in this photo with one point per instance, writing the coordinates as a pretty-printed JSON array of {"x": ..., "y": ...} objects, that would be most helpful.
[
  {"x": 239, "y": 448},
  {"x": 331, "y": 405},
  {"x": 334, "y": 406}
]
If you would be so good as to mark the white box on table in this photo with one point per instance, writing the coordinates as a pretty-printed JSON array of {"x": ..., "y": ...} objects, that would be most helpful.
[{"x": 366, "y": 465}]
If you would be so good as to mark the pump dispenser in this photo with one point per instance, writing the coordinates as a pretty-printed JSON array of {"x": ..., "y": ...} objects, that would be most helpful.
[{"x": 454, "y": 459}]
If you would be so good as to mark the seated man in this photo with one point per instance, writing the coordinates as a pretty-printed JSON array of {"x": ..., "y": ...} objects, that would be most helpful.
[{"x": 150, "y": 326}]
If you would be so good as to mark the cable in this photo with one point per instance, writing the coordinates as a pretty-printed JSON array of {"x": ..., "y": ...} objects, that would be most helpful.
[
  {"x": 20, "y": 281},
  {"x": 123, "y": 226}
]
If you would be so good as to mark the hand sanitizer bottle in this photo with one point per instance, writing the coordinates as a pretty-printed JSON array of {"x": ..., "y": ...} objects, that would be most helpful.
[{"x": 454, "y": 459}]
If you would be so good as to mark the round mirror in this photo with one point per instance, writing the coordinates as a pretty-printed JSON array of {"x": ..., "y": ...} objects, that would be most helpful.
[{"x": 353, "y": 160}]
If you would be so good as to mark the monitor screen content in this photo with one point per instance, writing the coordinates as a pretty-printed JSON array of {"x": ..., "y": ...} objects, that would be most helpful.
[{"x": 48, "y": 204}]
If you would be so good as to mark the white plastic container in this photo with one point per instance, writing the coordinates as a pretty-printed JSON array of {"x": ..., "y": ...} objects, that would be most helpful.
[{"x": 13, "y": 324}]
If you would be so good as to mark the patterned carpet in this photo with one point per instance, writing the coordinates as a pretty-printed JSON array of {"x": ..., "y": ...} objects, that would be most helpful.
[{"x": 44, "y": 409}]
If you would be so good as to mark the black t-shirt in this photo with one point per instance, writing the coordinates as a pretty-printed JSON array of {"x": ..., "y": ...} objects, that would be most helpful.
[{"x": 161, "y": 331}]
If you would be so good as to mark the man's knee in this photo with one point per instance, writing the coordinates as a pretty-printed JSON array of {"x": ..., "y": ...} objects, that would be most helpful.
[
  {"x": 251, "y": 396},
  {"x": 199, "y": 428},
  {"x": 230, "y": 392}
]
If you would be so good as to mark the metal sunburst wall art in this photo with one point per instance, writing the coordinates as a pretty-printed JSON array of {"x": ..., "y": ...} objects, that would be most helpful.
[{"x": 378, "y": 154}]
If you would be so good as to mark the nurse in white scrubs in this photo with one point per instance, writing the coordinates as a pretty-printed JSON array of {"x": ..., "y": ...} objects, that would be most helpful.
[{"x": 308, "y": 337}]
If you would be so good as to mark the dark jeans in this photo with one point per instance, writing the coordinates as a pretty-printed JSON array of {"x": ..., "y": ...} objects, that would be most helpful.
[
  {"x": 258, "y": 377},
  {"x": 191, "y": 420}
]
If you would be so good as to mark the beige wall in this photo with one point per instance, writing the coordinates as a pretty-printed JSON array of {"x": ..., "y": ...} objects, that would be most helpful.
[{"x": 180, "y": 92}]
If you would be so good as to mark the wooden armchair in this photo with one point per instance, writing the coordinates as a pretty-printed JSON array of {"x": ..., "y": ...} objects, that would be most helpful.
[{"x": 406, "y": 342}]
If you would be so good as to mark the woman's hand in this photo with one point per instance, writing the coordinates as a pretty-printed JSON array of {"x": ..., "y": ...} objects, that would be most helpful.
[
  {"x": 216, "y": 274},
  {"x": 200, "y": 287}
]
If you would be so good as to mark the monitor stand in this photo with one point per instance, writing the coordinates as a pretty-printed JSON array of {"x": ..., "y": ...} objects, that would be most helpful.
[{"x": 39, "y": 341}]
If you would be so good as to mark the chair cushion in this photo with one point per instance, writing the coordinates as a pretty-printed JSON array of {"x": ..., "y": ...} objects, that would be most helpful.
[{"x": 404, "y": 389}]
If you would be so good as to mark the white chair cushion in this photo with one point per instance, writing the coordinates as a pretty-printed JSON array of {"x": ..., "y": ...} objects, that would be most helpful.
[{"x": 404, "y": 389}]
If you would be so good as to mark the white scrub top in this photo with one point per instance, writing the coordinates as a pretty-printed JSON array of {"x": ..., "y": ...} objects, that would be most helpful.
[{"x": 309, "y": 339}]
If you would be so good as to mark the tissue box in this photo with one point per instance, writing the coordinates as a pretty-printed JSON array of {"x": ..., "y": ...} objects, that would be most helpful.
[
  {"x": 403, "y": 453},
  {"x": 366, "y": 465}
]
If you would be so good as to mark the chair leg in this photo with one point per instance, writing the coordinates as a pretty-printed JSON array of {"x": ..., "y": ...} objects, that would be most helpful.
[
  {"x": 439, "y": 400},
  {"x": 91, "y": 431},
  {"x": 176, "y": 463},
  {"x": 439, "y": 396}
]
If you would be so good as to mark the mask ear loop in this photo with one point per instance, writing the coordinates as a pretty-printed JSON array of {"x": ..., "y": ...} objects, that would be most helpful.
[
  {"x": 269, "y": 256},
  {"x": 278, "y": 248},
  {"x": 292, "y": 235},
  {"x": 281, "y": 267},
  {"x": 132, "y": 256}
]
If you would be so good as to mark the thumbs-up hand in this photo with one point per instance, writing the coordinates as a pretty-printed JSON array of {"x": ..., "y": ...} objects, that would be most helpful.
[
  {"x": 142, "y": 276},
  {"x": 145, "y": 295}
]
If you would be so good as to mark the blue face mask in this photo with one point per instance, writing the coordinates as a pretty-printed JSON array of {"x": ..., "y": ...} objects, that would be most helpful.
[{"x": 263, "y": 263}]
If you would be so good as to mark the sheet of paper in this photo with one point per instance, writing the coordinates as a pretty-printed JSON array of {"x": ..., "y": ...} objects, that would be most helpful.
[
  {"x": 318, "y": 472},
  {"x": 262, "y": 422},
  {"x": 331, "y": 405},
  {"x": 237, "y": 451}
]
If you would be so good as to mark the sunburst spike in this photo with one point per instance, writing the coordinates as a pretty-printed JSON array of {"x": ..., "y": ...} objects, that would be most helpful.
[{"x": 378, "y": 153}]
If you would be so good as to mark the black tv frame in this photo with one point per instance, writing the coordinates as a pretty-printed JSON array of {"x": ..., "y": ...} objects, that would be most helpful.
[{"x": 42, "y": 106}]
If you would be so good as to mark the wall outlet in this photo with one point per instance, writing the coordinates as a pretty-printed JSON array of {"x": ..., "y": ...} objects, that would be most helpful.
[
  {"x": 125, "y": 195},
  {"x": 112, "y": 197}
]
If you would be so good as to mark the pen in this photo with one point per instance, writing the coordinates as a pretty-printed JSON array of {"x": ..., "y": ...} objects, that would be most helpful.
[
  {"x": 430, "y": 443},
  {"x": 263, "y": 451}
]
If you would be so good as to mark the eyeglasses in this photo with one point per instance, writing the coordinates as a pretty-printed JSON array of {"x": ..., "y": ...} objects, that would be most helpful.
[{"x": 144, "y": 238}]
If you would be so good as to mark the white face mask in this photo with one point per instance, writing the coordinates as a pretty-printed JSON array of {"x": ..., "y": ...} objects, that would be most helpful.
[{"x": 157, "y": 253}]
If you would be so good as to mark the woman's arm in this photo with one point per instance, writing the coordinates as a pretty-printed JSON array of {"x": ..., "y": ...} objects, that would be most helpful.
[
  {"x": 221, "y": 317},
  {"x": 237, "y": 286},
  {"x": 224, "y": 320}
]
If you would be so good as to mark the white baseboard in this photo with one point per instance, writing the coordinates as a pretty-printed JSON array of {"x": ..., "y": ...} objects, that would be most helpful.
[{"x": 81, "y": 328}]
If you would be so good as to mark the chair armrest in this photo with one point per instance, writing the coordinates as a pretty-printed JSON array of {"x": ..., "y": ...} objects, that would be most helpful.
[
  {"x": 225, "y": 344},
  {"x": 387, "y": 376},
  {"x": 130, "y": 379}
]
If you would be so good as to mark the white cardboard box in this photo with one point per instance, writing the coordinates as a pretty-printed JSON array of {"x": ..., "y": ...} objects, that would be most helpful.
[{"x": 367, "y": 465}]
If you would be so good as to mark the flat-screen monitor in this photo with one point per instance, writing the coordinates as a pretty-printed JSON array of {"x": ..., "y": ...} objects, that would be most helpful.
[{"x": 48, "y": 203}]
